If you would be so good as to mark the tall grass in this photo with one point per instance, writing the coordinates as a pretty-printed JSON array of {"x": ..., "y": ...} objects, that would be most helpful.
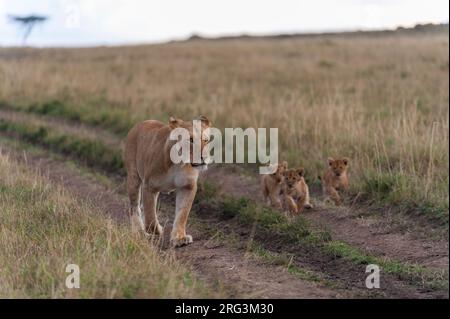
[
  {"x": 43, "y": 229},
  {"x": 381, "y": 101}
]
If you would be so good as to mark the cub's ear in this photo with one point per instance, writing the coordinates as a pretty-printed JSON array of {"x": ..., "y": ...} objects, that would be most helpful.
[
  {"x": 284, "y": 164},
  {"x": 345, "y": 160},
  {"x": 330, "y": 160},
  {"x": 174, "y": 122},
  {"x": 204, "y": 120},
  {"x": 301, "y": 171}
]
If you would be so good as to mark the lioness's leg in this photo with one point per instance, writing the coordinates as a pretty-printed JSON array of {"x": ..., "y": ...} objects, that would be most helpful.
[
  {"x": 185, "y": 197},
  {"x": 150, "y": 200},
  {"x": 134, "y": 191},
  {"x": 133, "y": 185}
]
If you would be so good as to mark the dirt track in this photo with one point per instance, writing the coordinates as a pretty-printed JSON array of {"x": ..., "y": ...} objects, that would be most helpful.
[
  {"x": 230, "y": 266},
  {"x": 371, "y": 233},
  {"x": 240, "y": 275}
]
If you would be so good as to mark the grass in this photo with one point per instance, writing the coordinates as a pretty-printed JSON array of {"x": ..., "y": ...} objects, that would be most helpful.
[
  {"x": 250, "y": 213},
  {"x": 256, "y": 249},
  {"x": 381, "y": 101},
  {"x": 286, "y": 261},
  {"x": 44, "y": 228},
  {"x": 91, "y": 152},
  {"x": 406, "y": 271},
  {"x": 297, "y": 230},
  {"x": 116, "y": 121}
]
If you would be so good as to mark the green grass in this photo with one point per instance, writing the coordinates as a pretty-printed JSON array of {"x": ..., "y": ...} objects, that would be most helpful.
[
  {"x": 384, "y": 189},
  {"x": 406, "y": 271},
  {"x": 44, "y": 228},
  {"x": 256, "y": 249},
  {"x": 287, "y": 261},
  {"x": 117, "y": 121},
  {"x": 297, "y": 230},
  {"x": 90, "y": 152},
  {"x": 269, "y": 221}
]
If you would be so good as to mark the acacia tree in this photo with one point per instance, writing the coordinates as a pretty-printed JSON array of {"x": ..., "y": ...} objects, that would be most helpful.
[{"x": 27, "y": 23}]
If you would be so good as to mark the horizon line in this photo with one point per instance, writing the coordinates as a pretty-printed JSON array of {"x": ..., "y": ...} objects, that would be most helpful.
[{"x": 237, "y": 35}]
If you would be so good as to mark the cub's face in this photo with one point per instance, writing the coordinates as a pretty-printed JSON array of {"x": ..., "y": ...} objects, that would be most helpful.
[
  {"x": 281, "y": 168},
  {"x": 293, "y": 176},
  {"x": 338, "y": 166}
]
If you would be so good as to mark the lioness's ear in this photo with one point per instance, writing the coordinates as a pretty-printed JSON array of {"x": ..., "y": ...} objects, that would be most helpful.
[
  {"x": 330, "y": 160},
  {"x": 174, "y": 123},
  {"x": 301, "y": 171},
  {"x": 204, "y": 120},
  {"x": 346, "y": 160}
]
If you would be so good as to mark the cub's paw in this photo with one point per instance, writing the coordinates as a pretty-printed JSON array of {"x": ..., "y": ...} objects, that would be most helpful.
[
  {"x": 308, "y": 206},
  {"x": 183, "y": 241}
]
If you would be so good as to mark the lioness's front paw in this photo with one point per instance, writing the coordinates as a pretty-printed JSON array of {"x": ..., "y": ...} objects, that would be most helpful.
[
  {"x": 157, "y": 230},
  {"x": 308, "y": 206},
  {"x": 183, "y": 241}
]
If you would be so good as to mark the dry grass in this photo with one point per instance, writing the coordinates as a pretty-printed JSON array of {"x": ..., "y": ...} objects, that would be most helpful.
[
  {"x": 43, "y": 229},
  {"x": 381, "y": 101}
]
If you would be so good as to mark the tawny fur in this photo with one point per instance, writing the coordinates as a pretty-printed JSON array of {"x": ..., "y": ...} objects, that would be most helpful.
[
  {"x": 335, "y": 178},
  {"x": 295, "y": 191},
  {"x": 151, "y": 171},
  {"x": 271, "y": 185}
]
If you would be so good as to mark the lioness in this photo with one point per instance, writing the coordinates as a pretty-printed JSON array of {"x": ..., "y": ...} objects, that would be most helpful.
[
  {"x": 271, "y": 185},
  {"x": 335, "y": 178},
  {"x": 150, "y": 171},
  {"x": 295, "y": 191}
]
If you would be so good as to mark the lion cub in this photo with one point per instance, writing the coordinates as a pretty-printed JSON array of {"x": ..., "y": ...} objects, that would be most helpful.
[
  {"x": 335, "y": 178},
  {"x": 295, "y": 191},
  {"x": 271, "y": 185}
]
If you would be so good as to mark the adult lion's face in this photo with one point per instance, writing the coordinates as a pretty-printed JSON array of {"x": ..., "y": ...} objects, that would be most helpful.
[{"x": 197, "y": 138}]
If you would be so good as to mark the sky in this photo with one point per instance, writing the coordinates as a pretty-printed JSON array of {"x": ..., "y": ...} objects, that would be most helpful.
[{"x": 117, "y": 22}]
